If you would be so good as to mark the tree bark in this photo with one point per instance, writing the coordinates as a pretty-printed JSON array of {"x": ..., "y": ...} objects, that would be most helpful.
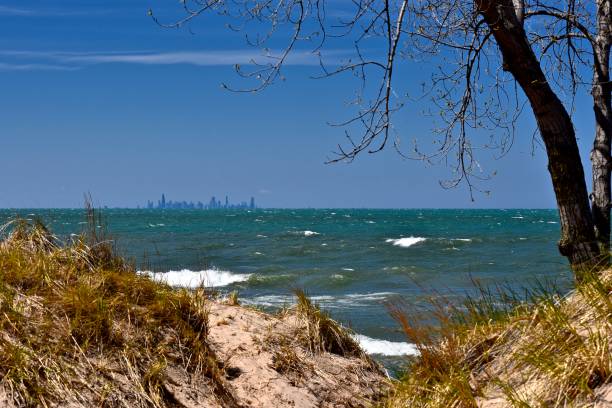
[
  {"x": 577, "y": 241},
  {"x": 600, "y": 155}
]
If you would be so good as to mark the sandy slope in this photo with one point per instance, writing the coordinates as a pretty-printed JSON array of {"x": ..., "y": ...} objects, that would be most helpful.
[{"x": 244, "y": 342}]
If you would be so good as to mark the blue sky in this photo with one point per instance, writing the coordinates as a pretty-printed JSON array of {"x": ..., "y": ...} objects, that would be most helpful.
[{"x": 97, "y": 98}]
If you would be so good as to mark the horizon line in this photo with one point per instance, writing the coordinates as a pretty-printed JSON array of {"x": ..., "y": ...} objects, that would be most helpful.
[{"x": 281, "y": 208}]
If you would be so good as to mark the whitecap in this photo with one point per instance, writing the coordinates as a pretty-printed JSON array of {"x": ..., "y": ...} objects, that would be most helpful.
[
  {"x": 405, "y": 242},
  {"x": 258, "y": 253},
  {"x": 270, "y": 300},
  {"x": 324, "y": 244},
  {"x": 322, "y": 298},
  {"x": 192, "y": 279},
  {"x": 552, "y": 222},
  {"x": 462, "y": 239},
  {"x": 375, "y": 296},
  {"x": 351, "y": 300},
  {"x": 520, "y": 217},
  {"x": 261, "y": 236},
  {"x": 385, "y": 347},
  {"x": 348, "y": 269},
  {"x": 370, "y": 222},
  {"x": 309, "y": 233},
  {"x": 337, "y": 276}
]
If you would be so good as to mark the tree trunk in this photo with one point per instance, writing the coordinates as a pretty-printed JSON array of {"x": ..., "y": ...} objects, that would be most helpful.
[
  {"x": 600, "y": 155},
  {"x": 577, "y": 241}
]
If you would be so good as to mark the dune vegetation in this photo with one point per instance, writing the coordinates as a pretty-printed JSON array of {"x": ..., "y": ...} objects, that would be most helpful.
[
  {"x": 505, "y": 348},
  {"x": 79, "y": 325}
]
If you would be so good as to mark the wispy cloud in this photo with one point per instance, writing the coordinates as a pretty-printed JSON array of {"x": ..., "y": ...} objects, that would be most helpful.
[
  {"x": 26, "y": 12},
  {"x": 199, "y": 58},
  {"x": 76, "y": 60},
  {"x": 11, "y": 11},
  {"x": 34, "y": 67}
]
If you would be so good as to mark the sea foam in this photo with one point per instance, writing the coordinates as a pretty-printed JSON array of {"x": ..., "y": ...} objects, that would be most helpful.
[
  {"x": 385, "y": 347},
  {"x": 351, "y": 300},
  {"x": 405, "y": 242},
  {"x": 310, "y": 233},
  {"x": 192, "y": 279}
]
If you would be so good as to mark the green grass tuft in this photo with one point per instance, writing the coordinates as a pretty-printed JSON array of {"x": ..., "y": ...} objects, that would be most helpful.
[{"x": 322, "y": 333}]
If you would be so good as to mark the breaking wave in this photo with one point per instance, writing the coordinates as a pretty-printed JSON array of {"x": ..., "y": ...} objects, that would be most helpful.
[
  {"x": 405, "y": 242},
  {"x": 192, "y": 279},
  {"x": 385, "y": 347},
  {"x": 350, "y": 300}
]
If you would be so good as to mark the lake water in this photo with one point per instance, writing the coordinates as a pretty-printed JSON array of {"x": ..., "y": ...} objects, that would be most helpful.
[{"x": 351, "y": 262}]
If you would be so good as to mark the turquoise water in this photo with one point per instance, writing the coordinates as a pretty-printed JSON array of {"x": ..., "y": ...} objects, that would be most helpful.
[{"x": 350, "y": 261}]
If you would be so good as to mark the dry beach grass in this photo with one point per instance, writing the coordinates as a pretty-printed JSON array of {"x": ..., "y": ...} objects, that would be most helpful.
[{"x": 500, "y": 349}]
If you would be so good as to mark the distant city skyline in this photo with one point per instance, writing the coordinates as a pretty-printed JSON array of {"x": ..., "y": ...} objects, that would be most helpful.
[{"x": 213, "y": 204}]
